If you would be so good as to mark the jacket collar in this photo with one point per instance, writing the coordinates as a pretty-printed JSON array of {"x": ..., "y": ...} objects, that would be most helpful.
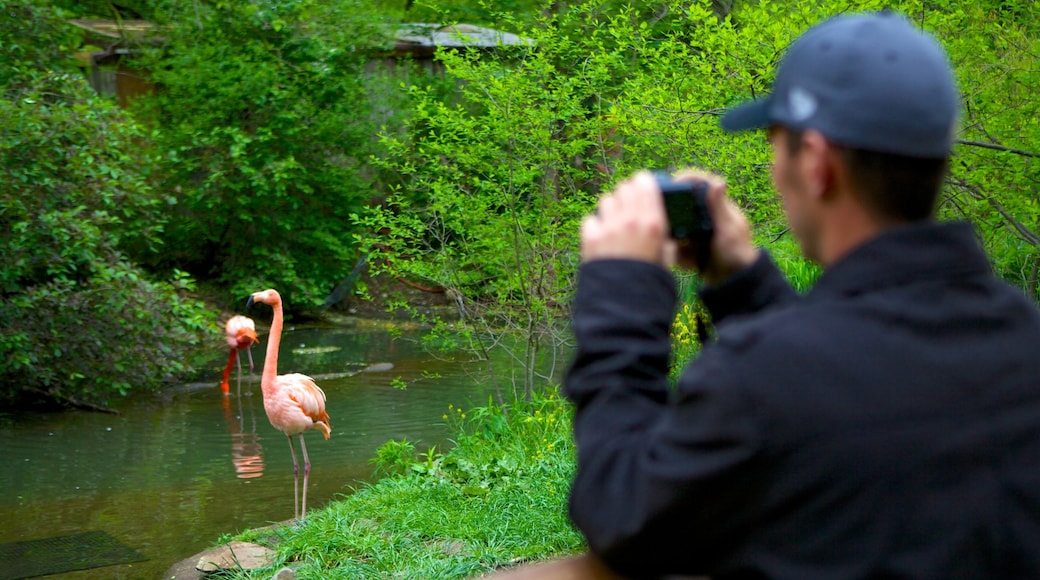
[{"x": 903, "y": 255}]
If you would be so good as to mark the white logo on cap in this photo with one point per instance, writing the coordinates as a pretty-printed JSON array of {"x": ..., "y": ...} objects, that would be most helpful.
[{"x": 802, "y": 104}]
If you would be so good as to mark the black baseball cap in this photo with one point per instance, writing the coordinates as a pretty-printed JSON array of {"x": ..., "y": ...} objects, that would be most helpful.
[{"x": 870, "y": 81}]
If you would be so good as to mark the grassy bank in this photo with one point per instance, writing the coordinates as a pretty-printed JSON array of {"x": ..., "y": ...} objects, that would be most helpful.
[{"x": 495, "y": 499}]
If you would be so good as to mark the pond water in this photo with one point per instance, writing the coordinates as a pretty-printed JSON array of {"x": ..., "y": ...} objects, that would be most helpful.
[{"x": 176, "y": 469}]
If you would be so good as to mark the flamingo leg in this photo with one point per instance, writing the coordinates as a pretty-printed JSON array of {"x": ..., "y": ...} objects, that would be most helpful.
[
  {"x": 249, "y": 352},
  {"x": 306, "y": 475},
  {"x": 296, "y": 480}
]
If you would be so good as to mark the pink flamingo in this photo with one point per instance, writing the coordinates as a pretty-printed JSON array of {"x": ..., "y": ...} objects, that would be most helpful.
[
  {"x": 241, "y": 334},
  {"x": 294, "y": 404}
]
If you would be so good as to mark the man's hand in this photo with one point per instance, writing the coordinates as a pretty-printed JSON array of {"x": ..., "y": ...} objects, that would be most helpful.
[
  {"x": 630, "y": 223},
  {"x": 731, "y": 247}
]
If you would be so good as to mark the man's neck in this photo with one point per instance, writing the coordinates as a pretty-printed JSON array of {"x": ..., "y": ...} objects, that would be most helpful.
[{"x": 848, "y": 227}]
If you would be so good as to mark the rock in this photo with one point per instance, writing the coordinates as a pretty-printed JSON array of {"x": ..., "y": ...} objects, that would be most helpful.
[
  {"x": 235, "y": 555},
  {"x": 284, "y": 574}
]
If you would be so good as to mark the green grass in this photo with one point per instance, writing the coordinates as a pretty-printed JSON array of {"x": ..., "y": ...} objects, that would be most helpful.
[
  {"x": 686, "y": 342},
  {"x": 495, "y": 499},
  {"x": 801, "y": 272}
]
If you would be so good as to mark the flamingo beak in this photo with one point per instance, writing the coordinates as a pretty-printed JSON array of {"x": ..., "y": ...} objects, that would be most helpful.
[{"x": 249, "y": 303}]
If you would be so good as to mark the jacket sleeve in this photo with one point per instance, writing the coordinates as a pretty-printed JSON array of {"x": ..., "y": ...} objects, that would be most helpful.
[
  {"x": 661, "y": 474},
  {"x": 749, "y": 291}
]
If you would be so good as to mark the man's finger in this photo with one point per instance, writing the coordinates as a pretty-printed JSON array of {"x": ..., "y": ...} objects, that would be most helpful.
[
  {"x": 608, "y": 206},
  {"x": 646, "y": 193},
  {"x": 716, "y": 199},
  {"x": 591, "y": 234}
]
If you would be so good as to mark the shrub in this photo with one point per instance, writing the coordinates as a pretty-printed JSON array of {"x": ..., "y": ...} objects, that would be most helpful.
[
  {"x": 78, "y": 320},
  {"x": 262, "y": 121}
]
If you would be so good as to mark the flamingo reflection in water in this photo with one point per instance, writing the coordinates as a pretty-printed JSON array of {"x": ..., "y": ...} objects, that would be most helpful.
[{"x": 247, "y": 455}]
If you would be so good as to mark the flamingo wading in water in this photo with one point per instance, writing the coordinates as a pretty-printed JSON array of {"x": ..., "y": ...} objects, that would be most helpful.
[
  {"x": 241, "y": 334},
  {"x": 294, "y": 404}
]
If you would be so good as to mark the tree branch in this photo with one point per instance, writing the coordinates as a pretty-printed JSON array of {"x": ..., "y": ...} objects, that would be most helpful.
[
  {"x": 976, "y": 192},
  {"x": 780, "y": 235},
  {"x": 996, "y": 147}
]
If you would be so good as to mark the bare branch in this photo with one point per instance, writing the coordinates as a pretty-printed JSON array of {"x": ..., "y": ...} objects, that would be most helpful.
[
  {"x": 780, "y": 235},
  {"x": 976, "y": 192},
  {"x": 996, "y": 147}
]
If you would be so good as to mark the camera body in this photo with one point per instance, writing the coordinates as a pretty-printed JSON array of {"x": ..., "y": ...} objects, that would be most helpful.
[
  {"x": 689, "y": 220},
  {"x": 685, "y": 202}
]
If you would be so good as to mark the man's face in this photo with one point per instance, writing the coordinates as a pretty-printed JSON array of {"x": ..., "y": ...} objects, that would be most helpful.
[{"x": 791, "y": 182}]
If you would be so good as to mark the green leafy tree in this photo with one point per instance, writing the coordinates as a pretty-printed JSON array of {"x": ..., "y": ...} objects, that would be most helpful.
[
  {"x": 79, "y": 322},
  {"x": 262, "y": 120},
  {"x": 671, "y": 106},
  {"x": 995, "y": 175},
  {"x": 492, "y": 187}
]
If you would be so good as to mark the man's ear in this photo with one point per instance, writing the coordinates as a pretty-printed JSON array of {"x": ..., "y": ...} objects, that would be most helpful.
[{"x": 816, "y": 162}]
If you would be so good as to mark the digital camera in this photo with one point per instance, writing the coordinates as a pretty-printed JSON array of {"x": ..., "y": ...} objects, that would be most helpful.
[{"x": 685, "y": 203}]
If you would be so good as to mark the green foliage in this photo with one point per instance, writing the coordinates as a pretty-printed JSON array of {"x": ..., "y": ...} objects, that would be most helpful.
[
  {"x": 78, "y": 320},
  {"x": 995, "y": 175},
  {"x": 497, "y": 497},
  {"x": 108, "y": 9},
  {"x": 35, "y": 40},
  {"x": 394, "y": 457},
  {"x": 669, "y": 108},
  {"x": 479, "y": 12},
  {"x": 91, "y": 340},
  {"x": 686, "y": 336},
  {"x": 262, "y": 120},
  {"x": 526, "y": 12},
  {"x": 259, "y": 154},
  {"x": 492, "y": 188},
  {"x": 800, "y": 272}
]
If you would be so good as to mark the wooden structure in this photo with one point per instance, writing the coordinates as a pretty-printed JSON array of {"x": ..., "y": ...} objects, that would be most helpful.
[
  {"x": 107, "y": 70},
  {"x": 111, "y": 71}
]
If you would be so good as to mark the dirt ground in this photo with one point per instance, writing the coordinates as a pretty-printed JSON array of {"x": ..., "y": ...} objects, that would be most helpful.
[{"x": 384, "y": 290}]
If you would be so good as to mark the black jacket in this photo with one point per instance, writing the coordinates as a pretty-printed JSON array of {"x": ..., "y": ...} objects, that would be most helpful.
[{"x": 886, "y": 425}]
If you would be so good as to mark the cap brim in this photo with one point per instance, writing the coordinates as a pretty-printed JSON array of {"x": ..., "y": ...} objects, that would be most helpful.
[{"x": 750, "y": 115}]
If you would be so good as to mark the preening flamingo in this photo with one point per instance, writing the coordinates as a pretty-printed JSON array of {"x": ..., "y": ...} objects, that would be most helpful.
[
  {"x": 294, "y": 404},
  {"x": 241, "y": 334}
]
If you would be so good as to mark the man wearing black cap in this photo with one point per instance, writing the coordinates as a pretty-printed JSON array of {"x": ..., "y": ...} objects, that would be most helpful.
[{"x": 885, "y": 425}]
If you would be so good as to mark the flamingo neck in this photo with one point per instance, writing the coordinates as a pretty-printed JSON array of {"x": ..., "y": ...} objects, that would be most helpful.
[{"x": 273, "y": 341}]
